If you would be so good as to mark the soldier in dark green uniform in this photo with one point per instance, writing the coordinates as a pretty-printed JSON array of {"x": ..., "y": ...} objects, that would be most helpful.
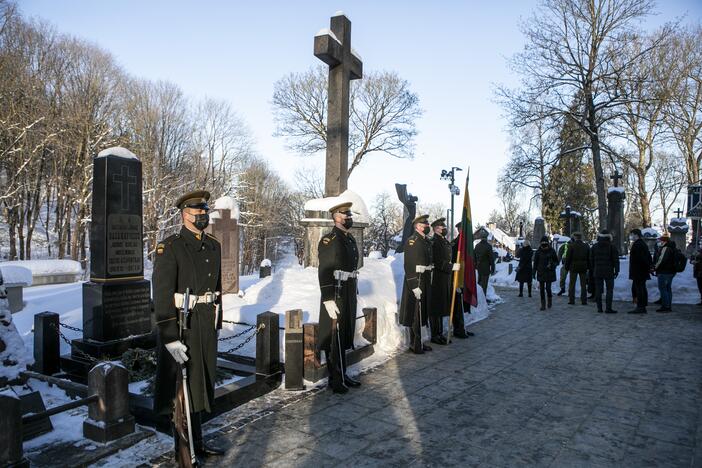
[
  {"x": 190, "y": 259},
  {"x": 338, "y": 262},
  {"x": 441, "y": 282},
  {"x": 416, "y": 288}
]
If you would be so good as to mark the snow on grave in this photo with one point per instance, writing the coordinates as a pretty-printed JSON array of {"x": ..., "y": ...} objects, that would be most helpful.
[
  {"x": 16, "y": 278},
  {"x": 358, "y": 207},
  {"x": 14, "y": 358},
  {"x": 118, "y": 151},
  {"x": 225, "y": 203},
  {"x": 49, "y": 271}
]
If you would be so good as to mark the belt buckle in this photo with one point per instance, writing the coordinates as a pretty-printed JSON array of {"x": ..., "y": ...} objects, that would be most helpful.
[{"x": 209, "y": 297}]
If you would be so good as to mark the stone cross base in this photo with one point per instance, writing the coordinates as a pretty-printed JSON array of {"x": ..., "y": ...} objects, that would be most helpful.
[{"x": 317, "y": 224}]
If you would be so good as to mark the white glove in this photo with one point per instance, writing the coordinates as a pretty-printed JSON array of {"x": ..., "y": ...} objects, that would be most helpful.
[
  {"x": 421, "y": 268},
  {"x": 332, "y": 309},
  {"x": 178, "y": 350},
  {"x": 417, "y": 293},
  {"x": 456, "y": 267},
  {"x": 459, "y": 290}
]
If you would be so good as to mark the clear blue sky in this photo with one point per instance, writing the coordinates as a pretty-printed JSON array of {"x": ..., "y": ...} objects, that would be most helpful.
[{"x": 451, "y": 52}]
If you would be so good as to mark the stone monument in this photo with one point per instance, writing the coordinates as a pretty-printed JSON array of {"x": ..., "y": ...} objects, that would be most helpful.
[
  {"x": 539, "y": 231},
  {"x": 333, "y": 47},
  {"x": 615, "y": 213},
  {"x": 677, "y": 228},
  {"x": 409, "y": 202},
  {"x": 225, "y": 227},
  {"x": 650, "y": 236},
  {"x": 694, "y": 211},
  {"x": 117, "y": 299},
  {"x": 572, "y": 221}
]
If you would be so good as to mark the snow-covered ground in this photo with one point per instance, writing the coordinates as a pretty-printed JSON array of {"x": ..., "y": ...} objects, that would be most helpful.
[{"x": 684, "y": 284}]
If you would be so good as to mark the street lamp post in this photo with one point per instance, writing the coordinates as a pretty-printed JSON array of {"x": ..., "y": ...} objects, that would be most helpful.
[{"x": 451, "y": 175}]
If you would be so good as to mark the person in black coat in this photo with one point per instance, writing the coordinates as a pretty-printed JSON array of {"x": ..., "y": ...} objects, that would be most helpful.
[
  {"x": 441, "y": 281},
  {"x": 640, "y": 263},
  {"x": 604, "y": 261},
  {"x": 545, "y": 262},
  {"x": 337, "y": 273},
  {"x": 524, "y": 268},
  {"x": 190, "y": 260},
  {"x": 416, "y": 288},
  {"x": 459, "y": 307}
]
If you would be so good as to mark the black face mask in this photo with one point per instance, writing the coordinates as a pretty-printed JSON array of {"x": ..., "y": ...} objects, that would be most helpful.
[
  {"x": 544, "y": 245},
  {"x": 425, "y": 231},
  {"x": 201, "y": 221},
  {"x": 348, "y": 223}
]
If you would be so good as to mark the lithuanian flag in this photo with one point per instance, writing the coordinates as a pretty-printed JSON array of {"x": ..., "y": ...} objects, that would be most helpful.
[{"x": 466, "y": 276}]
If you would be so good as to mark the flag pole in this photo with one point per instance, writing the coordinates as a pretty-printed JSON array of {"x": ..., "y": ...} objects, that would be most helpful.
[{"x": 453, "y": 295}]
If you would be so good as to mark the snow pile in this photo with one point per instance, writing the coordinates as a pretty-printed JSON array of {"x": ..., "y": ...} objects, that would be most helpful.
[
  {"x": 16, "y": 275},
  {"x": 118, "y": 151},
  {"x": 14, "y": 358},
  {"x": 615, "y": 189},
  {"x": 265, "y": 263},
  {"x": 294, "y": 287},
  {"x": 650, "y": 232},
  {"x": 358, "y": 207},
  {"x": 225, "y": 203},
  {"x": 47, "y": 267},
  {"x": 375, "y": 254},
  {"x": 684, "y": 284}
]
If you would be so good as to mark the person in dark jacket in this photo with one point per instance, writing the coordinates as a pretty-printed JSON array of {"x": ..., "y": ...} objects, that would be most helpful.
[
  {"x": 577, "y": 263},
  {"x": 338, "y": 285},
  {"x": 484, "y": 262},
  {"x": 696, "y": 262},
  {"x": 416, "y": 288},
  {"x": 640, "y": 264},
  {"x": 545, "y": 262},
  {"x": 459, "y": 306},
  {"x": 664, "y": 265},
  {"x": 441, "y": 281},
  {"x": 562, "y": 256},
  {"x": 604, "y": 261},
  {"x": 524, "y": 268},
  {"x": 189, "y": 260}
]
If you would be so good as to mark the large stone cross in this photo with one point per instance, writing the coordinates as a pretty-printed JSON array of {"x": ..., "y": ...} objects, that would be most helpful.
[
  {"x": 226, "y": 230},
  {"x": 223, "y": 229},
  {"x": 678, "y": 213},
  {"x": 615, "y": 177},
  {"x": 334, "y": 48}
]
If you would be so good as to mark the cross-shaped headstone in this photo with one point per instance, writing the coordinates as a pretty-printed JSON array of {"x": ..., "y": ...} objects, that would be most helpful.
[
  {"x": 223, "y": 228},
  {"x": 678, "y": 213},
  {"x": 615, "y": 177},
  {"x": 226, "y": 230},
  {"x": 126, "y": 180},
  {"x": 333, "y": 47}
]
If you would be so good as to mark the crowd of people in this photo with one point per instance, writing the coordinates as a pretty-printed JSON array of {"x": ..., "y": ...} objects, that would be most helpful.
[{"x": 595, "y": 267}]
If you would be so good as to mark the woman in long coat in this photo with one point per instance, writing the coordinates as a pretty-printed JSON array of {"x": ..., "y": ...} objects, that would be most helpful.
[
  {"x": 524, "y": 268},
  {"x": 545, "y": 261}
]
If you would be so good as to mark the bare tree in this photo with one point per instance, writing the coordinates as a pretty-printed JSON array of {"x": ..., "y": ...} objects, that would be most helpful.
[
  {"x": 684, "y": 110},
  {"x": 668, "y": 180},
  {"x": 571, "y": 53},
  {"x": 386, "y": 223},
  {"x": 383, "y": 114}
]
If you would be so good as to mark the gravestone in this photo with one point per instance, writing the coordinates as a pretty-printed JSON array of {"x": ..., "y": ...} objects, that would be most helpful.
[
  {"x": 539, "y": 230},
  {"x": 409, "y": 202},
  {"x": 294, "y": 350},
  {"x": 333, "y": 47},
  {"x": 650, "y": 237},
  {"x": 677, "y": 228},
  {"x": 225, "y": 227},
  {"x": 615, "y": 213},
  {"x": 117, "y": 299},
  {"x": 571, "y": 222}
]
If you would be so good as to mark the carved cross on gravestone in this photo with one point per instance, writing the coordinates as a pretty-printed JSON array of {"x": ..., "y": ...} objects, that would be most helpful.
[
  {"x": 678, "y": 213},
  {"x": 615, "y": 177},
  {"x": 126, "y": 180},
  {"x": 334, "y": 48}
]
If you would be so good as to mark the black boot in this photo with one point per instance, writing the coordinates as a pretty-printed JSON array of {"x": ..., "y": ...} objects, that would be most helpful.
[
  {"x": 550, "y": 303},
  {"x": 203, "y": 450},
  {"x": 543, "y": 304},
  {"x": 351, "y": 382}
]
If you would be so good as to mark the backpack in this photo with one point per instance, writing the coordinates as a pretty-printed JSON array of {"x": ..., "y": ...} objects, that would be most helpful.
[{"x": 679, "y": 261}]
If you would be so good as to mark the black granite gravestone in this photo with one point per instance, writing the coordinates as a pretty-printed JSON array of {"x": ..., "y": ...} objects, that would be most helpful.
[{"x": 116, "y": 300}]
